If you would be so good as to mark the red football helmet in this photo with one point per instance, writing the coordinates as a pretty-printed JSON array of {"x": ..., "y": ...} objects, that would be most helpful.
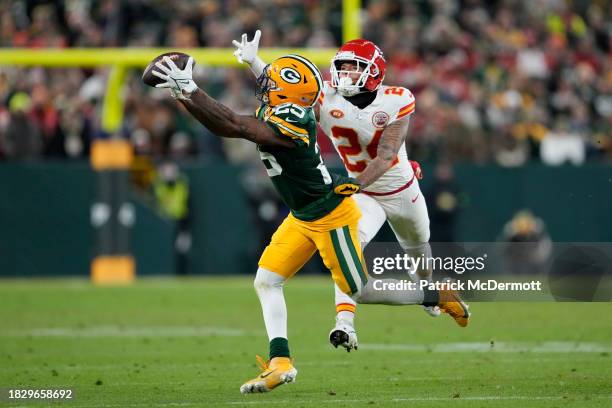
[{"x": 371, "y": 66}]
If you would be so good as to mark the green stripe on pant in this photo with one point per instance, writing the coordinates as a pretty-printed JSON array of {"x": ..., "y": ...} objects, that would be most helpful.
[
  {"x": 342, "y": 261},
  {"x": 356, "y": 258}
]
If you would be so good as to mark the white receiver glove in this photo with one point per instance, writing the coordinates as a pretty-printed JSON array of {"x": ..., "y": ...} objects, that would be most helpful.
[
  {"x": 246, "y": 51},
  {"x": 180, "y": 81}
]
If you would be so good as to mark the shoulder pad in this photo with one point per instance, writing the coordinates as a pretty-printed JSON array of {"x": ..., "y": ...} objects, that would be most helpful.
[
  {"x": 292, "y": 120},
  {"x": 403, "y": 99},
  {"x": 292, "y": 112}
]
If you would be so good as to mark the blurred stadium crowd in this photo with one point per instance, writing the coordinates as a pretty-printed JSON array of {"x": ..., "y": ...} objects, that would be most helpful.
[{"x": 503, "y": 82}]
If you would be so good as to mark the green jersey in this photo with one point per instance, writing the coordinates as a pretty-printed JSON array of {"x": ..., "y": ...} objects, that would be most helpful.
[{"x": 298, "y": 174}]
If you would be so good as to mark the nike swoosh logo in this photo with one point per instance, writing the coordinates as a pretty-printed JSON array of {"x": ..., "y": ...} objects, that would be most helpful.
[
  {"x": 184, "y": 82},
  {"x": 267, "y": 374},
  {"x": 289, "y": 120},
  {"x": 415, "y": 198}
]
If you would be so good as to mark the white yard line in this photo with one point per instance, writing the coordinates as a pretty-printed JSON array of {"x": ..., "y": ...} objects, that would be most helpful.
[
  {"x": 336, "y": 400},
  {"x": 429, "y": 360},
  {"x": 500, "y": 347},
  {"x": 131, "y": 331},
  {"x": 214, "y": 331},
  {"x": 332, "y": 400}
]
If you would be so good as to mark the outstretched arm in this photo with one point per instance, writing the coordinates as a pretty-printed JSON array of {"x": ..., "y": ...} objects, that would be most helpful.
[
  {"x": 390, "y": 142},
  {"x": 217, "y": 117},
  {"x": 224, "y": 122}
]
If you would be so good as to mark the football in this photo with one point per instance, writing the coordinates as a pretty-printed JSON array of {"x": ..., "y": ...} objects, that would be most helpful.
[{"x": 179, "y": 58}]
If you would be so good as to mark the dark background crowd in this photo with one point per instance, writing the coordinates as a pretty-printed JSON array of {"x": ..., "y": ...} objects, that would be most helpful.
[{"x": 504, "y": 82}]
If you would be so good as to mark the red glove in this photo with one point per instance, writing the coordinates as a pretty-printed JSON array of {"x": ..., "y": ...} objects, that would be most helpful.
[{"x": 416, "y": 167}]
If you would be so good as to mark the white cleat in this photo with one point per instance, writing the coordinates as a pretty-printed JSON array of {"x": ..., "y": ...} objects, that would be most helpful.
[
  {"x": 433, "y": 311},
  {"x": 344, "y": 335}
]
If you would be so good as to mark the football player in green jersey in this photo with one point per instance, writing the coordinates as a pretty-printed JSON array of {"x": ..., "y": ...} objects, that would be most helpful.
[{"x": 323, "y": 215}]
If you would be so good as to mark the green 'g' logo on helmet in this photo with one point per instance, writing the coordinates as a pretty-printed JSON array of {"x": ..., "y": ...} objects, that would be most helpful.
[{"x": 290, "y": 75}]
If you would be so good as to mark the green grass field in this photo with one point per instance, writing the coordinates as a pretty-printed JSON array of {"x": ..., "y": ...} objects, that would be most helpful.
[{"x": 191, "y": 343}]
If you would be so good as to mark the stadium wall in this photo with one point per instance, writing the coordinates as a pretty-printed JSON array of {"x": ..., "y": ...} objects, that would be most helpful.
[
  {"x": 45, "y": 214},
  {"x": 574, "y": 202},
  {"x": 45, "y": 224}
]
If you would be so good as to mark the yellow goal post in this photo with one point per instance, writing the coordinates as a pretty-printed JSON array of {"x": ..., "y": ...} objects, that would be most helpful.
[{"x": 121, "y": 59}]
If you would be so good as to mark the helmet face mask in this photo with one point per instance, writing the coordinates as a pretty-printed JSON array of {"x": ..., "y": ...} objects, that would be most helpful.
[
  {"x": 339, "y": 76},
  {"x": 369, "y": 63},
  {"x": 264, "y": 85}
]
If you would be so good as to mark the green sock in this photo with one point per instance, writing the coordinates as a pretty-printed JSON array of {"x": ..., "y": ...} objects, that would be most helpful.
[{"x": 279, "y": 347}]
